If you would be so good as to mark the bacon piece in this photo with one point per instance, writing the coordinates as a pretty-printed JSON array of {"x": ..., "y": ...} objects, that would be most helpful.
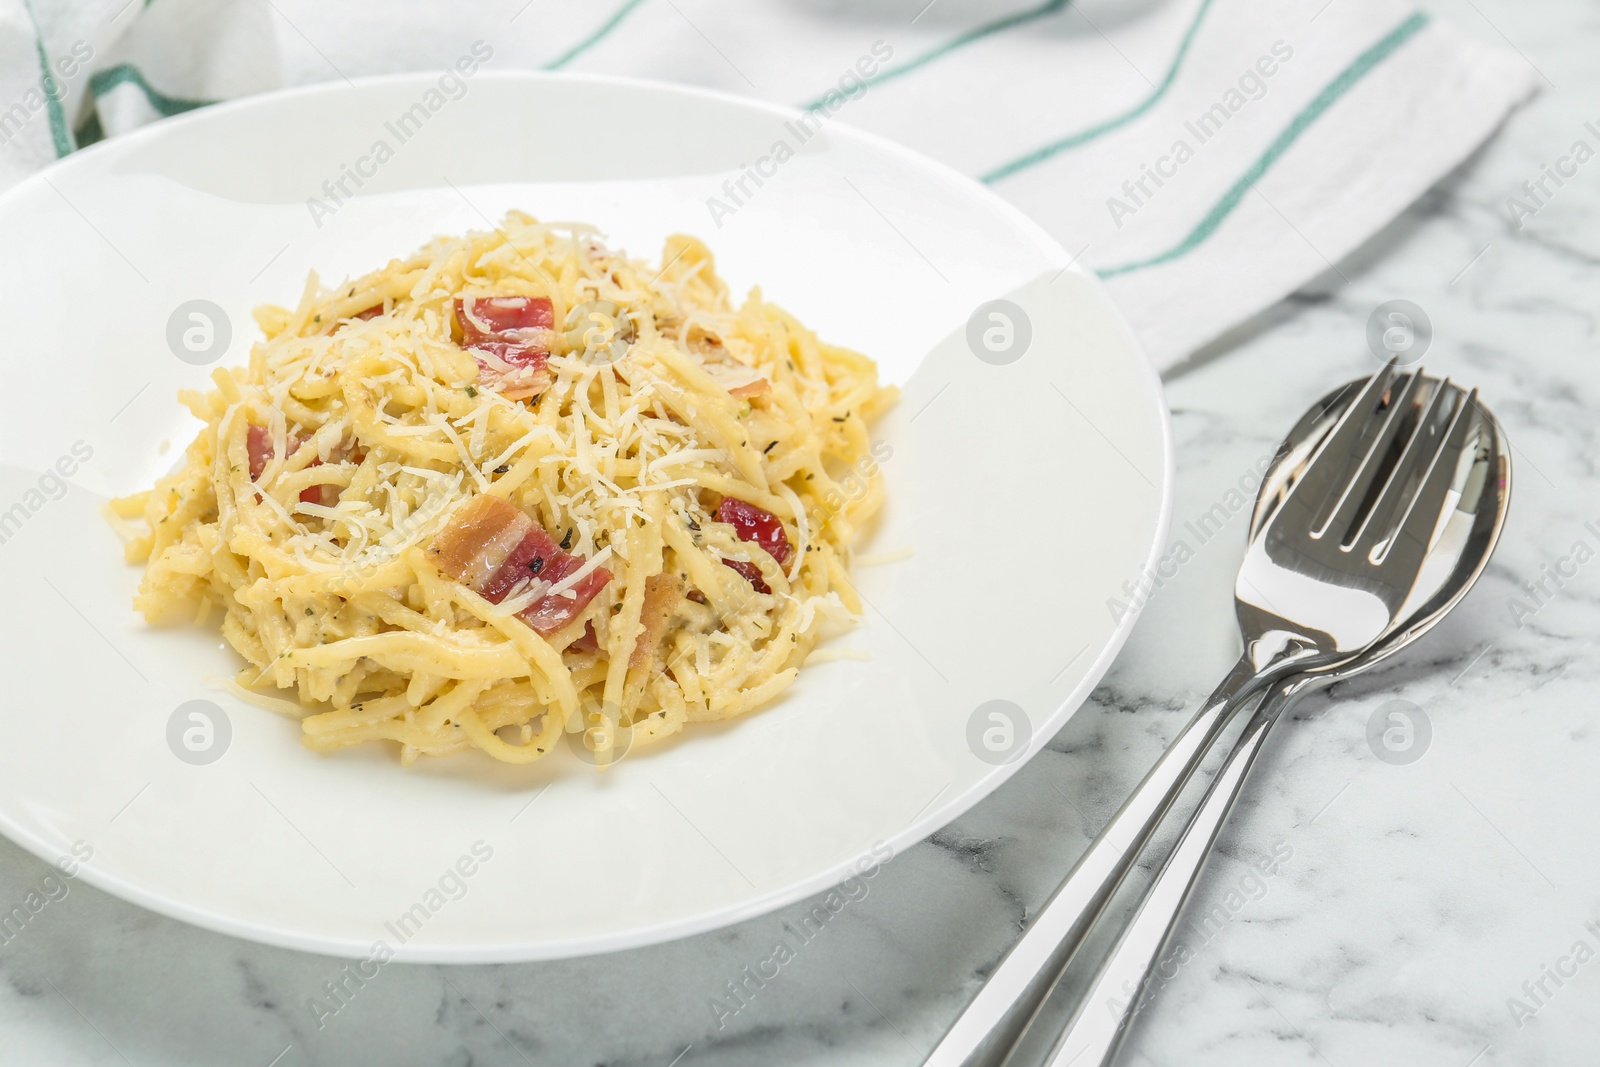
[
  {"x": 751, "y": 572},
  {"x": 476, "y": 543},
  {"x": 326, "y": 495},
  {"x": 740, "y": 381},
  {"x": 513, "y": 355},
  {"x": 258, "y": 442},
  {"x": 490, "y": 318},
  {"x": 751, "y": 523},
  {"x": 588, "y": 641},
  {"x": 754, "y": 387},
  {"x": 493, "y": 548},
  {"x": 525, "y": 372},
  {"x": 505, "y": 335},
  {"x": 371, "y": 313},
  {"x": 537, "y": 556},
  {"x": 662, "y": 594},
  {"x": 755, "y": 524},
  {"x": 553, "y": 611}
]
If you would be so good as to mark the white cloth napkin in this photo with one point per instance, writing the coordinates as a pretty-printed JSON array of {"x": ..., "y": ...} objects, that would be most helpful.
[{"x": 1207, "y": 157}]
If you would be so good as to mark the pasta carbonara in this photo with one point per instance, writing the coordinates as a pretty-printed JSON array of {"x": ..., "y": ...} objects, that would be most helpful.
[{"x": 517, "y": 486}]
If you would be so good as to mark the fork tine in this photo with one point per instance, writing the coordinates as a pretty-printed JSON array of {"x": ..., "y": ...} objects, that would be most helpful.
[
  {"x": 1345, "y": 503},
  {"x": 1409, "y": 468},
  {"x": 1421, "y": 514},
  {"x": 1325, "y": 472}
]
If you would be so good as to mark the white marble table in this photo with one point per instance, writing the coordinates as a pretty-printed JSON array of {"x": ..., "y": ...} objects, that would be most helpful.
[{"x": 1444, "y": 912}]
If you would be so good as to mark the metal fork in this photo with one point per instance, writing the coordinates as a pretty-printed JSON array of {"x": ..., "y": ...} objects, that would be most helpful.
[
  {"x": 1479, "y": 473},
  {"x": 1332, "y": 572}
]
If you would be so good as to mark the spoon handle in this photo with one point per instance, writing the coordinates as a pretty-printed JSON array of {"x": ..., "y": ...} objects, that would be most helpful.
[
  {"x": 1101, "y": 1019},
  {"x": 1005, "y": 1006}
]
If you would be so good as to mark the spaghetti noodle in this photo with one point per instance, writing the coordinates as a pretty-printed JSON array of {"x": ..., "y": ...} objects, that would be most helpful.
[{"x": 516, "y": 486}]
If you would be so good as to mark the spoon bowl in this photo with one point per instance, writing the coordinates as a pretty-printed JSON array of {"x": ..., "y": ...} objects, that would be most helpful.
[
  {"x": 1472, "y": 517},
  {"x": 1338, "y": 562},
  {"x": 1456, "y": 560}
]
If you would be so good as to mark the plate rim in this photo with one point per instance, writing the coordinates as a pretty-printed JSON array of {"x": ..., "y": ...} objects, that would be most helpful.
[{"x": 918, "y": 830}]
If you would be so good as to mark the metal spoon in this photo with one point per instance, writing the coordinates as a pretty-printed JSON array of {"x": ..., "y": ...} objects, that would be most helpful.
[
  {"x": 1342, "y": 552},
  {"x": 1056, "y": 1005},
  {"x": 1460, "y": 551}
]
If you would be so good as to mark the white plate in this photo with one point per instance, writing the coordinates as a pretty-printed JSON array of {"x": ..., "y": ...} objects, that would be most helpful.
[{"x": 1030, "y": 493}]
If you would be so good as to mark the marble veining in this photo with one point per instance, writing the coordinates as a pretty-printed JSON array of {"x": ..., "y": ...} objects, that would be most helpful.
[{"x": 1427, "y": 914}]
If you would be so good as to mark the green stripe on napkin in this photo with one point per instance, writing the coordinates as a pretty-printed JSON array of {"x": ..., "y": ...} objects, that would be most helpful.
[
  {"x": 103, "y": 81},
  {"x": 1299, "y": 124},
  {"x": 1039, "y": 155}
]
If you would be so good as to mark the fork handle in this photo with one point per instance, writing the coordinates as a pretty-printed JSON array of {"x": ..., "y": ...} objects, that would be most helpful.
[
  {"x": 1101, "y": 1018},
  {"x": 986, "y": 1031}
]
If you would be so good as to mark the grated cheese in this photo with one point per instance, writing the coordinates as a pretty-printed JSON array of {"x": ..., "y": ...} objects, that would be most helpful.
[{"x": 624, "y": 462}]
